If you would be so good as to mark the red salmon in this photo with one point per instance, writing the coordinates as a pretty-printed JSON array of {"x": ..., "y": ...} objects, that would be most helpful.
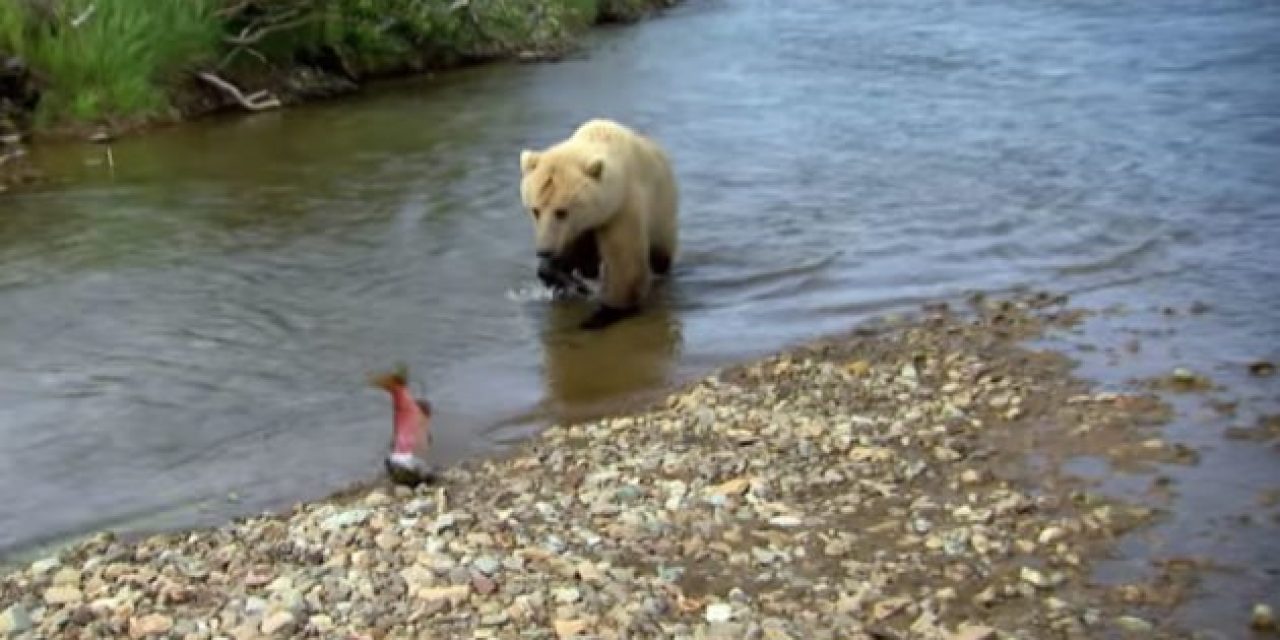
[{"x": 411, "y": 429}]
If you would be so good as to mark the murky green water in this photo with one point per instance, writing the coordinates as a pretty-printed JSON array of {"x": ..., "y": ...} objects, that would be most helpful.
[{"x": 196, "y": 320}]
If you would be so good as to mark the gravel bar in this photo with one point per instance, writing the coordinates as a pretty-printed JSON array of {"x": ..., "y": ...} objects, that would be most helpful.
[{"x": 902, "y": 481}]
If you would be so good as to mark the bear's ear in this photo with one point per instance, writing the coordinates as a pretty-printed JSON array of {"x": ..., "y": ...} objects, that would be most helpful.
[
  {"x": 528, "y": 160},
  {"x": 595, "y": 168}
]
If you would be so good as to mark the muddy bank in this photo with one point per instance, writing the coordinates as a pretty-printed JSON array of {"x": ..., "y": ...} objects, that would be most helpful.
[
  {"x": 903, "y": 481},
  {"x": 15, "y": 169},
  {"x": 19, "y": 96}
]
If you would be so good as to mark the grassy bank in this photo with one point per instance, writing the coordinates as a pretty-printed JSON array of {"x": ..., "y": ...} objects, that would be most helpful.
[{"x": 123, "y": 63}]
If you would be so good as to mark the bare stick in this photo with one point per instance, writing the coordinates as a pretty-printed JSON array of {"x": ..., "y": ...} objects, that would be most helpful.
[
  {"x": 251, "y": 35},
  {"x": 84, "y": 16},
  {"x": 232, "y": 10},
  {"x": 259, "y": 101}
]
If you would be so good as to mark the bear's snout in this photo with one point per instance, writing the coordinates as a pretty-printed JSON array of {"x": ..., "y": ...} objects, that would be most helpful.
[{"x": 547, "y": 268}]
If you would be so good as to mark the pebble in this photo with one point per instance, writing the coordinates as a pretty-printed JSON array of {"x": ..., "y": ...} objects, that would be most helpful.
[
  {"x": 44, "y": 565},
  {"x": 1035, "y": 578},
  {"x": 455, "y": 594},
  {"x": 1050, "y": 535},
  {"x": 348, "y": 518},
  {"x": 1133, "y": 624},
  {"x": 1263, "y": 619},
  {"x": 321, "y": 623},
  {"x": 719, "y": 612},
  {"x": 486, "y": 565},
  {"x": 276, "y": 622},
  {"x": 483, "y": 585},
  {"x": 974, "y": 632},
  {"x": 567, "y": 595},
  {"x": 15, "y": 620},
  {"x": 255, "y": 606},
  {"x": 885, "y": 609},
  {"x": 785, "y": 521},
  {"x": 150, "y": 625},
  {"x": 495, "y": 619},
  {"x": 566, "y": 629},
  {"x": 377, "y": 499},
  {"x": 66, "y": 577},
  {"x": 387, "y": 541},
  {"x": 62, "y": 595}
]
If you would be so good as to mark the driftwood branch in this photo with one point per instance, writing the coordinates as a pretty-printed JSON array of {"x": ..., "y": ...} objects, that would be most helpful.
[{"x": 257, "y": 101}]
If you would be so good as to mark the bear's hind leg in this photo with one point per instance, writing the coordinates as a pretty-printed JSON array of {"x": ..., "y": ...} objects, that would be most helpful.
[{"x": 659, "y": 261}]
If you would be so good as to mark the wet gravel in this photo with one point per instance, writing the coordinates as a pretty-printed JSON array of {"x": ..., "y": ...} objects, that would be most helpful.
[{"x": 901, "y": 481}]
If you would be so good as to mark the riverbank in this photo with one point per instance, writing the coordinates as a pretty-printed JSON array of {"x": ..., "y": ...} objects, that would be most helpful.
[
  {"x": 64, "y": 77},
  {"x": 903, "y": 481}
]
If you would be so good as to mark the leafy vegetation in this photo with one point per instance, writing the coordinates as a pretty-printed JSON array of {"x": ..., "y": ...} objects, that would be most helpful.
[
  {"x": 113, "y": 59},
  {"x": 108, "y": 60}
]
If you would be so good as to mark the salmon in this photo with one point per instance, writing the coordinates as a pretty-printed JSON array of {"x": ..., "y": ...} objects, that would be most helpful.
[{"x": 410, "y": 429}]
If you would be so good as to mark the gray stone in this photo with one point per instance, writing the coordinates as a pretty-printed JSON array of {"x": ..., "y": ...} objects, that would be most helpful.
[{"x": 15, "y": 620}]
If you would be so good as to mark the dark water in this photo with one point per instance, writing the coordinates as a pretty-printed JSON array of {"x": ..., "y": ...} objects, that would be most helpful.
[{"x": 197, "y": 320}]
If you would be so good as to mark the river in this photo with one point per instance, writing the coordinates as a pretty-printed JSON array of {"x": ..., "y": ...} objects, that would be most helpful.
[{"x": 184, "y": 331}]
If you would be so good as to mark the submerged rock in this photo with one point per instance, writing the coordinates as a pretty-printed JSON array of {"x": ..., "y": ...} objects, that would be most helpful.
[{"x": 1263, "y": 619}]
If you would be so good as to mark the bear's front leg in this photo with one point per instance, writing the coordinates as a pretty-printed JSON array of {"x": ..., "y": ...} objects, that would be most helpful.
[
  {"x": 606, "y": 315},
  {"x": 625, "y": 279}
]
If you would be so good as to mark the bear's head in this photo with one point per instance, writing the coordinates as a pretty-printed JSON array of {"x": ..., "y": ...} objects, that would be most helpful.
[{"x": 567, "y": 191}]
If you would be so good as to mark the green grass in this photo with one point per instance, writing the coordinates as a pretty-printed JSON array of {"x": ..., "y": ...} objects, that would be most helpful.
[
  {"x": 118, "y": 62},
  {"x": 127, "y": 57}
]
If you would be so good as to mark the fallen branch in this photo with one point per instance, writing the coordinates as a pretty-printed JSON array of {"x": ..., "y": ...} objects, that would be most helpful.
[{"x": 257, "y": 101}]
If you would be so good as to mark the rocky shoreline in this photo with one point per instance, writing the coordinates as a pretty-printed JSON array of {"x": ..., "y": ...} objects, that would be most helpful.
[{"x": 876, "y": 485}]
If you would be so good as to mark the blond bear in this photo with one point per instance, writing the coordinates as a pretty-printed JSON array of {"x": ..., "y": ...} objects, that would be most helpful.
[{"x": 603, "y": 203}]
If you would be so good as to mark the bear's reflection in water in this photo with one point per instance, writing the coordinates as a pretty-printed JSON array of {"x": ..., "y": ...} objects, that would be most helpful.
[{"x": 591, "y": 373}]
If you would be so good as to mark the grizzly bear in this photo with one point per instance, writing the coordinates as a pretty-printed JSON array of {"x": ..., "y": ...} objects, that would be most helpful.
[{"x": 603, "y": 204}]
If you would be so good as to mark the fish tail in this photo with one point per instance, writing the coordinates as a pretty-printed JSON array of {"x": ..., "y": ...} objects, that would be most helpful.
[{"x": 388, "y": 380}]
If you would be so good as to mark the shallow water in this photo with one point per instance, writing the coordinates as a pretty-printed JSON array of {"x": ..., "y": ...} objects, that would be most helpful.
[{"x": 184, "y": 333}]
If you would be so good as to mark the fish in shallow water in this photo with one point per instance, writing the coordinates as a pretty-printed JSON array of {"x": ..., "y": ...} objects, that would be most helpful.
[{"x": 411, "y": 430}]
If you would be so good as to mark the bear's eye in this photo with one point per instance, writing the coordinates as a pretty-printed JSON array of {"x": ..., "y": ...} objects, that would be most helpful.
[
  {"x": 561, "y": 213},
  {"x": 534, "y": 211}
]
